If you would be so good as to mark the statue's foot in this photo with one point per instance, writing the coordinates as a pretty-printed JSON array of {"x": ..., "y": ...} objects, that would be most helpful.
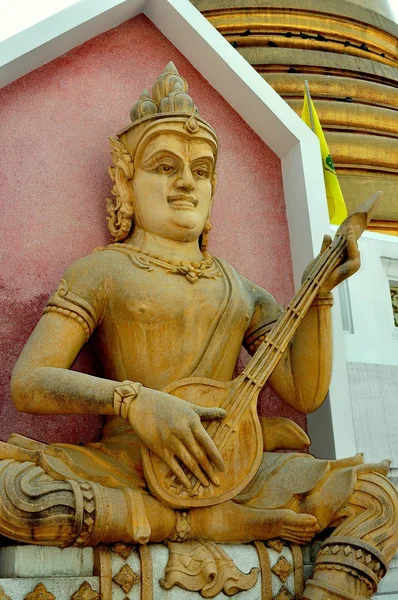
[
  {"x": 232, "y": 522},
  {"x": 290, "y": 526}
]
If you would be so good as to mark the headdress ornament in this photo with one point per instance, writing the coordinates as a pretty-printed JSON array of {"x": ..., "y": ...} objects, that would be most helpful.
[{"x": 170, "y": 108}]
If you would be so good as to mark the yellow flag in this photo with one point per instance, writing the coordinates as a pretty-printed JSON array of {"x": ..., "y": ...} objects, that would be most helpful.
[{"x": 336, "y": 204}]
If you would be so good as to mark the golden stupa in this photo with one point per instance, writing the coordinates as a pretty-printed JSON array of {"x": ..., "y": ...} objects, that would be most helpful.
[{"x": 348, "y": 51}]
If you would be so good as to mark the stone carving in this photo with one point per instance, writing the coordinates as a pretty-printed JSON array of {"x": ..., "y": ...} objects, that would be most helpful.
[
  {"x": 284, "y": 594},
  {"x": 282, "y": 569},
  {"x": 168, "y": 320},
  {"x": 40, "y": 593},
  {"x": 85, "y": 592},
  {"x": 202, "y": 565},
  {"x": 146, "y": 572},
  {"x": 123, "y": 550},
  {"x": 282, "y": 561},
  {"x": 126, "y": 578}
]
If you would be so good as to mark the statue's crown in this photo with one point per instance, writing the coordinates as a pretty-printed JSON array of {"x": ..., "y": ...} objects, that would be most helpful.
[
  {"x": 169, "y": 95},
  {"x": 169, "y": 103}
]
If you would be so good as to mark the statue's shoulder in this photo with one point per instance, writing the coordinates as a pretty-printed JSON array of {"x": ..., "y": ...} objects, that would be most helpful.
[
  {"x": 259, "y": 295},
  {"x": 86, "y": 280},
  {"x": 95, "y": 266},
  {"x": 90, "y": 268}
]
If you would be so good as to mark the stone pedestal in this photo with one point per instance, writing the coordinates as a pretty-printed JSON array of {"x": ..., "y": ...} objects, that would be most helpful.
[{"x": 122, "y": 572}]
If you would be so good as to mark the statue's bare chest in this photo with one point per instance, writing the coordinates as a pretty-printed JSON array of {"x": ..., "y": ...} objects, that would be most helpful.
[
  {"x": 157, "y": 325},
  {"x": 158, "y": 296}
]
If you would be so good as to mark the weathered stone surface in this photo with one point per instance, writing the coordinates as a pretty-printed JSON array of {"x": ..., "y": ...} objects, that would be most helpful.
[{"x": 45, "y": 561}]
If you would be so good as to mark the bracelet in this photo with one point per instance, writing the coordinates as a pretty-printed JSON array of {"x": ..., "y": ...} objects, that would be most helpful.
[
  {"x": 323, "y": 300},
  {"x": 123, "y": 395}
]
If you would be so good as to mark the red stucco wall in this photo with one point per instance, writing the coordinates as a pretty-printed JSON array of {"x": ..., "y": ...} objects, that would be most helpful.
[{"x": 54, "y": 128}]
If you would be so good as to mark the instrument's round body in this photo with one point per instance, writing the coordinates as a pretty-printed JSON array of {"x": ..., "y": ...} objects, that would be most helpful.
[{"x": 238, "y": 437}]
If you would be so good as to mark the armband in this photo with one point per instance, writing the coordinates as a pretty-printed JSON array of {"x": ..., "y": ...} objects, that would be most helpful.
[{"x": 66, "y": 303}]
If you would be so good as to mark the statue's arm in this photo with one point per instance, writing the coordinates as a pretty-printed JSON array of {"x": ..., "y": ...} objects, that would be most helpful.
[
  {"x": 42, "y": 381},
  {"x": 302, "y": 376}
]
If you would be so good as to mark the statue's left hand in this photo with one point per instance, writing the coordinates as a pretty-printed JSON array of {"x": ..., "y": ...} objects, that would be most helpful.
[{"x": 349, "y": 264}]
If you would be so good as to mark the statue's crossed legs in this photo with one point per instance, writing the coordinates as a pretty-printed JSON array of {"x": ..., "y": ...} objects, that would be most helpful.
[{"x": 36, "y": 508}]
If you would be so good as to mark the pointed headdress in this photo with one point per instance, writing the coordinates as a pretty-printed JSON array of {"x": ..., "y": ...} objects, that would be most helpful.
[{"x": 168, "y": 109}]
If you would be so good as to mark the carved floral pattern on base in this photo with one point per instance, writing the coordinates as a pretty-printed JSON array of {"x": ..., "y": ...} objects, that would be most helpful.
[
  {"x": 86, "y": 592},
  {"x": 40, "y": 593},
  {"x": 126, "y": 578}
]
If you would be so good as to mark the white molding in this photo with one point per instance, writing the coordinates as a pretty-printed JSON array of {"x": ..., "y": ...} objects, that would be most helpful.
[
  {"x": 245, "y": 90},
  {"x": 42, "y": 42},
  {"x": 390, "y": 266}
]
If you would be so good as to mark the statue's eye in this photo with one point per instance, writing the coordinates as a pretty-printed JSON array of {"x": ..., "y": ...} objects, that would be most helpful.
[
  {"x": 165, "y": 169},
  {"x": 201, "y": 172}
]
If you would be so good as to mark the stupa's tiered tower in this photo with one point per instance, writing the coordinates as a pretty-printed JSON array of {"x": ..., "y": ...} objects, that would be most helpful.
[{"x": 348, "y": 51}]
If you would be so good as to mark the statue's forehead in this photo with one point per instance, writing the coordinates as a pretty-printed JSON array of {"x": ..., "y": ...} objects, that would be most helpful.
[{"x": 182, "y": 145}]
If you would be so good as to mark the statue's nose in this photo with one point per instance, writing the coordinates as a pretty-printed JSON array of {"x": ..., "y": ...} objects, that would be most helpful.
[{"x": 186, "y": 180}]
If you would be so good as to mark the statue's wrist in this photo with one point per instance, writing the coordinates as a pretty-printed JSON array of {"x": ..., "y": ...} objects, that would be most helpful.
[
  {"x": 123, "y": 396},
  {"x": 323, "y": 300}
]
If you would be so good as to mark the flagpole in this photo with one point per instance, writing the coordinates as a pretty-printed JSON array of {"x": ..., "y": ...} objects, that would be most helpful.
[{"x": 307, "y": 92}]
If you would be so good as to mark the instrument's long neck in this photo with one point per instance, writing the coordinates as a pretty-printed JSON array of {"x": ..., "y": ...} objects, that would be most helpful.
[
  {"x": 275, "y": 343},
  {"x": 262, "y": 364}
]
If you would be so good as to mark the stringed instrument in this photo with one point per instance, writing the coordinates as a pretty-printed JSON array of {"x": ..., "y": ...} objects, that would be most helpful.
[{"x": 238, "y": 436}]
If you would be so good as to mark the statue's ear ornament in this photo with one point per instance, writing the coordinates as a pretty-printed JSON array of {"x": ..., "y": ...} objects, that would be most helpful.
[{"x": 120, "y": 208}]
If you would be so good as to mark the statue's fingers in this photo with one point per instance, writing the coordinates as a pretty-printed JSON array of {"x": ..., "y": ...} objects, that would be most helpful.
[
  {"x": 327, "y": 240},
  {"x": 205, "y": 441},
  {"x": 176, "y": 470},
  {"x": 352, "y": 266},
  {"x": 347, "y": 269},
  {"x": 202, "y": 459},
  {"x": 209, "y": 414},
  {"x": 352, "y": 244},
  {"x": 189, "y": 461}
]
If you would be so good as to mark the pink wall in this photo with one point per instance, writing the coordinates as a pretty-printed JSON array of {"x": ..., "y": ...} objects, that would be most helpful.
[{"x": 55, "y": 155}]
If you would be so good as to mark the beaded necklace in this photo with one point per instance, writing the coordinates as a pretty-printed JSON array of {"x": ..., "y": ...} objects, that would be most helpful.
[{"x": 192, "y": 271}]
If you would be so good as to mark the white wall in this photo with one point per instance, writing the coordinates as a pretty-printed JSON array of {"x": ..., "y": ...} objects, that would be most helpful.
[
  {"x": 372, "y": 350},
  {"x": 375, "y": 337}
]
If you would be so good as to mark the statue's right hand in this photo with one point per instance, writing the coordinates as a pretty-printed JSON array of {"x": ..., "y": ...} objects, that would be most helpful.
[{"x": 172, "y": 429}]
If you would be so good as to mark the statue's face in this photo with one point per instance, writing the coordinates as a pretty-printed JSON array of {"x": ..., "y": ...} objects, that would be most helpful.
[{"x": 173, "y": 186}]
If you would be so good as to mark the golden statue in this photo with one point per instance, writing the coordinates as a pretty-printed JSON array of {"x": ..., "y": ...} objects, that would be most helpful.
[{"x": 183, "y": 455}]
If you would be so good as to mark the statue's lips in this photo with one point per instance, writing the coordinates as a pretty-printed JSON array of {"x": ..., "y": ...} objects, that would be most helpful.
[{"x": 182, "y": 201}]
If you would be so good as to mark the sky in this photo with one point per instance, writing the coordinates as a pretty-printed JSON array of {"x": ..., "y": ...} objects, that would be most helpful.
[{"x": 17, "y": 15}]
